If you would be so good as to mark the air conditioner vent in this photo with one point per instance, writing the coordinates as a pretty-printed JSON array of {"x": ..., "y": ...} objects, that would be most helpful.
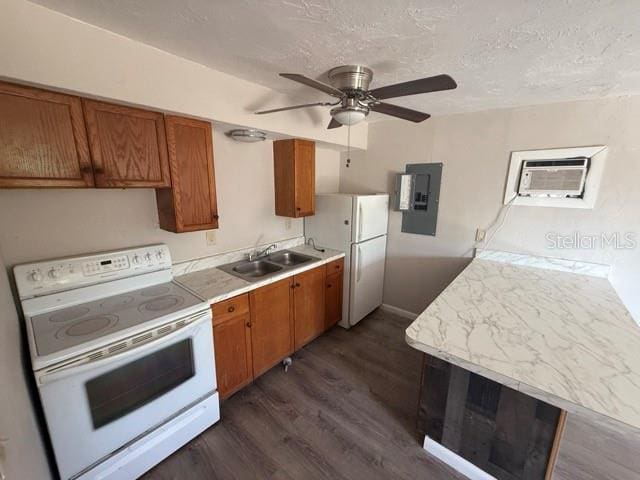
[{"x": 553, "y": 178}]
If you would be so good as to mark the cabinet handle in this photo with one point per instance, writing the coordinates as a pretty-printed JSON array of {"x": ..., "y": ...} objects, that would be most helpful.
[
  {"x": 337, "y": 267},
  {"x": 215, "y": 217},
  {"x": 98, "y": 170},
  {"x": 86, "y": 169},
  {"x": 249, "y": 324},
  {"x": 297, "y": 285},
  {"x": 328, "y": 285},
  {"x": 231, "y": 309}
]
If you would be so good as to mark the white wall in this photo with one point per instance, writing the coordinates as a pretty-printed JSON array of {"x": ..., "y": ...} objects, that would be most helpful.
[
  {"x": 475, "y": 150},
  {"x": 23, "y": 455},
  {"x": 63, "y": 52}
]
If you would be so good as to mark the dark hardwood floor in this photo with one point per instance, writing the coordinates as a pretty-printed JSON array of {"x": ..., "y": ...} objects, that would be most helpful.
[{"x": 347, "y": 410}]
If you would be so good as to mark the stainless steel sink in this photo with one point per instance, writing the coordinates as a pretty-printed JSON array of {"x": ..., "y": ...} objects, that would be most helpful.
[
  {"x": 277, "y": 262},
  {"x": 289, "y": 258},
  {"x": 257, "y": 268}
]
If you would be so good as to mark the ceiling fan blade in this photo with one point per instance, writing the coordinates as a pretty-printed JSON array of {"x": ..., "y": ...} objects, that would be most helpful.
[
  {"x": 400, "y": 112},
  {"x": 310, "y": 82},
  {"x": 423, "y": 85},
  {"x": 317, "y": 104},
  {"x": 334, "y": 124}
]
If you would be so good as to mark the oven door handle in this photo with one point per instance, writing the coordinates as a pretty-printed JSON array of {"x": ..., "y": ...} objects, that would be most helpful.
[{"x": 56, "y": 373}]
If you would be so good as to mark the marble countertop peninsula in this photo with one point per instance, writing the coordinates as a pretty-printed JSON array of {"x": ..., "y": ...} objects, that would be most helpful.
[
  {"x": 552, "y": 329},
  {"x": 215, "y": 285}
]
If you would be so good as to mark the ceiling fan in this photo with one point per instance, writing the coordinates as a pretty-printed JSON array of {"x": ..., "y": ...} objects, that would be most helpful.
[{"x": 350, "y": 85}]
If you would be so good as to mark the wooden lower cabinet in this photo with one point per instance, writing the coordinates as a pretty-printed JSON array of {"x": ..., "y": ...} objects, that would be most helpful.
[
  {"x": 271, "y": 324},
  {"x": 308, "y": 304},
  {"x": 333, "y": 300},
  {"x": 255, "y": 331},
  {"x": 234, "y": 360}
]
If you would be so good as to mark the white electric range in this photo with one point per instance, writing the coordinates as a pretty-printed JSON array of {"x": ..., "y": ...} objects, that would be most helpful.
[{"x": 123, "y": 359}]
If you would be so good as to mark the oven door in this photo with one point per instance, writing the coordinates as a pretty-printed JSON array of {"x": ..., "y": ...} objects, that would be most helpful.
[{"x": 95, "y": 408}]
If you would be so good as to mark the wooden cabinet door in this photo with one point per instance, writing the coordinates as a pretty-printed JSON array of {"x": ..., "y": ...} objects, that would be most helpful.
[
  {"x": 271, "y": 324},
  {"x": 232, "y": 346},
  {"x": 191, "y": 203},
  {"x": 43, "y": 141},
  {"x": 294, "y": 177},
  {"x": 309, "y": 317},
  {"x": 128, "y": 146},
  {"x": 333, "y": 299},
  {"x": 305, "y": 178}
]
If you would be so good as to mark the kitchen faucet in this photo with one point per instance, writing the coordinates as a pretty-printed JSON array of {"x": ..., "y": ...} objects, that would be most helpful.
[{"x": 261, "y": 253}]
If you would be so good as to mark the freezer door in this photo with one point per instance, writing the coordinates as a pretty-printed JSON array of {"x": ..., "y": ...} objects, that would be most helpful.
[
  {"x": 366, "y": 277},
  {"x": 370, "y": 217},
  {"x": 331, "y": 225}
]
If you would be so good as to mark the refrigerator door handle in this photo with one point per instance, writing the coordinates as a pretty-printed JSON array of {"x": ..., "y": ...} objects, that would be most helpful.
[
  {"x": 359, "y": 236},
  {"x": 359, "y": 265}
]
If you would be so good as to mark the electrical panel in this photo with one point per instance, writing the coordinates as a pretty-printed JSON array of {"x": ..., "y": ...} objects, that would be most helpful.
[{"x": 417, "y": 193}]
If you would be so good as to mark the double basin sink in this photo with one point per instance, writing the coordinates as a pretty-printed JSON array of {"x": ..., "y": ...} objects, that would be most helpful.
[{"x": 264, "y": 267}]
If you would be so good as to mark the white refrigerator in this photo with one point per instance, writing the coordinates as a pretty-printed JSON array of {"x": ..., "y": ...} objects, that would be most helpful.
[{"x": 356, "y": 225}]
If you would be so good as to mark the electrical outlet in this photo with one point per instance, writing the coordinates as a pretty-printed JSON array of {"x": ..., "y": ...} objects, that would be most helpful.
[
  {"x": 211, "y": 238},
  {"x": 287, "y": 224},
  {"x": 480, "y": 234}
]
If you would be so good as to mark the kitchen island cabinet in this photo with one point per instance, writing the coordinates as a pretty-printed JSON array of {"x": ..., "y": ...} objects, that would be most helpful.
[{"x": 513, "y": 345}]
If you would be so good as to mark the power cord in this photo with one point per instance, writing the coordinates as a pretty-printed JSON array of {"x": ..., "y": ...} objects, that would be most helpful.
[{"x": 506, "y": 209}]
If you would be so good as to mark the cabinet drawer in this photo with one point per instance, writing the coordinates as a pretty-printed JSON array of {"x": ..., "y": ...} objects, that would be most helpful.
[
  {"x": 228, "y": 309},
  {"x": 335, "y": 266}
]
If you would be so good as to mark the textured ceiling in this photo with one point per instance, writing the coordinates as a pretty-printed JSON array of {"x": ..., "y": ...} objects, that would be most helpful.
[{"x": 501, "y": 52}]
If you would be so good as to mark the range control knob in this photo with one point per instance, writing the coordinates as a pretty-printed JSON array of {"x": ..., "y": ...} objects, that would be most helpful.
[
  {"x": 35, "y": 276},
  {"x": 54, "y": 273},
  {"x": 160, "y": 254},
  {"x": 148, "y": 257},
  {"x": 135, "y": 260}
]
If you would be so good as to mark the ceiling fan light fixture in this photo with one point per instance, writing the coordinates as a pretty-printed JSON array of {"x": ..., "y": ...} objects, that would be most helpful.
[
  {"x": 349, "y": 115},
  {"x": 247, "y": 135}
]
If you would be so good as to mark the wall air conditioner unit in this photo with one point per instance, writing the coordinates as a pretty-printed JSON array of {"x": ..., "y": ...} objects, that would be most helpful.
[{"x": 553, "y": 178}]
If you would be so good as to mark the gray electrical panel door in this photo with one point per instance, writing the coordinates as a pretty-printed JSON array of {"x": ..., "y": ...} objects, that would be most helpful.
[{"x": 421, "y": 216}]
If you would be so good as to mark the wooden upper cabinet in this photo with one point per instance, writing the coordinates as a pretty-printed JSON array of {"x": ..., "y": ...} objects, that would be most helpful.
[
  {"x": 309, "y": 316},
  {"x": 294, "y": 165},
  {"x": 271, "y": 324},
  {"x": 128, "y": 145},
  {"x": 43, "y": 142},
  {"x": 191, "y": 203}
]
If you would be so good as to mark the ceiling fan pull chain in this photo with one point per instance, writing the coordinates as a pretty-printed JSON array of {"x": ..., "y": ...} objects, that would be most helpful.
[{"x": 348, "y": 145}]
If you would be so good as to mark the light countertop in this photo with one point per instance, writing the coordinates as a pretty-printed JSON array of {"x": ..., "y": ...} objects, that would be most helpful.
[
  {"x": 554, "y": 330},
  {"x": 216, "y": 285}
]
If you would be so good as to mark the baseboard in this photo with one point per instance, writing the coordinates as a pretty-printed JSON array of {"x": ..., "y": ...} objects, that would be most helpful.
[
  {"x": 399, "y": 311},
  {"x": 455, "y": 461}
]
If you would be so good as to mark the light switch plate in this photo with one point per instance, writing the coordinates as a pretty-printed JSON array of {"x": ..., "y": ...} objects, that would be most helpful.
[{"x": 480, "y": 234}]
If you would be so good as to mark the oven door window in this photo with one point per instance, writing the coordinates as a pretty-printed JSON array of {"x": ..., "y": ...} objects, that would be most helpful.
[{"x": 127, "y": 388}]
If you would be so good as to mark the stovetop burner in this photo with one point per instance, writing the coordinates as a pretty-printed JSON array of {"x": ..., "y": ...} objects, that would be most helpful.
[
  {"x": 159, "y": 304},
  {"x": 69, "y": 314},
  {"x": 78, "y": 324},
  {"x": 88, "y": 326}
]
